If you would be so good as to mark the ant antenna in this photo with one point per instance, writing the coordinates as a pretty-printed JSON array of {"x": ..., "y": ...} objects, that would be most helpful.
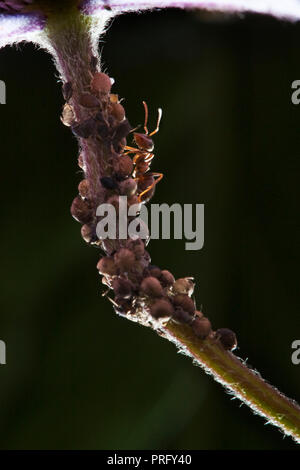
[
  {"x": 158, "y": 122},
  {"x": 146, "y": 118}
]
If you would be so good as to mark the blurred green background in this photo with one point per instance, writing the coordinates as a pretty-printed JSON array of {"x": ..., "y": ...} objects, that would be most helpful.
[{"x": 79, "y": 377}]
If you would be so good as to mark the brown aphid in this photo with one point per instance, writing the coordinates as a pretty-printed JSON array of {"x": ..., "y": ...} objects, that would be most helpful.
[
  {"x": 101, "y": 83},
  {"x": 87, "y": 233},
  {"x": 201, "y": 327},
  {"x": 123, "y": 166},
  {"x": 137, "y": 246},
  {"x": 68, "y": 116},
  {"x": 128, "y": 187},
  {"x": 121, "y": 131},
  {"x": 118, "y": 111},
  {"x": 227, "y": 338},
  {"x": 67, "y": 90},
  {"x": 99, "y": 116},
  {"x": 122, "y": 287},
  {"x": 85, "y": 129},
  {"x": 181, "y": 316},
  {"x": 143, "y": 155},
  {"x": 103, "y": 130},
  {"x": 185, "y": 302},
  {"x": 183, "y": 286},
  {"x": 87, "y": 100},
  {"x": 151, "y": 287},
  {"x": 124, "y": 259},
  {"x": 109, "y": 183},
  {"x": 167, "y": 278},
  {"x": 154, "y": 271},
  {"x": 162, "y": 308},
  {"x": 80, "y": 161},
  {"x": 84, "y": 188},
  {"x": 81, "y": 210},
  {"x": 107, "y": 266}
]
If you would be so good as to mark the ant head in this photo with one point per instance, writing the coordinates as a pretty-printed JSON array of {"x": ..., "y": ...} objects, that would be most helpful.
[{"x": 143, "y": 141}]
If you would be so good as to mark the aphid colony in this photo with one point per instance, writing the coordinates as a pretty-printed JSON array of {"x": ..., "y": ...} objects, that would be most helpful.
[{"x": 112, "y": 168}]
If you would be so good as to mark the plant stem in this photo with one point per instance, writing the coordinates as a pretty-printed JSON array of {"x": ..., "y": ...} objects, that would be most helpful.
[
  {"x": 70, "y": 41},
  {"x": 240, "y": 380}
]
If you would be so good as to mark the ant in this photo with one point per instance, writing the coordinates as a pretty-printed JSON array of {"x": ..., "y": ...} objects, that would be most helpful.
[{"x": 143, "y": 157}]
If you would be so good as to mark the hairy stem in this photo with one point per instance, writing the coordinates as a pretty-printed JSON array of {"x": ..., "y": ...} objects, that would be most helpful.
[
  {"x": 240, "y": 380},
  {"x": 73, "y": 41},
  {"x": 73, "y": 44}
]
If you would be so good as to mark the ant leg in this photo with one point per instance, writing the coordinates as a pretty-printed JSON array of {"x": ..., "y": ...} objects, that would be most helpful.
[
  {"x": 160, "y": 176},
  {"x": 158, "y": 122},
  {"x": 146, "y": 118},
  {"x": 138, "y": 152},
  {"x": 131, "y": 149},
  {"x": 113, "y": 302},
  {"x": 104, "y": 294}
]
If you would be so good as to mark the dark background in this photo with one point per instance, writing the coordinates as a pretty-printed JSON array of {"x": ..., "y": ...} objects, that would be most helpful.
[{"x": 79, "y": 377}]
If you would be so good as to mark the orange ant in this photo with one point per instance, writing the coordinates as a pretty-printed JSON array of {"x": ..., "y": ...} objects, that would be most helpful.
[{"x": 143, "y": 157}]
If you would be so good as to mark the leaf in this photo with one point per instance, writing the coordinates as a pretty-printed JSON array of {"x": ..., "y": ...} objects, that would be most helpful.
[
  {"x": 16, "y": 27},
  {"x": 288, "y": 9}
]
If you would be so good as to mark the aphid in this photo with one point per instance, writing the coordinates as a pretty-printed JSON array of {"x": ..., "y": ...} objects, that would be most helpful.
[
  {"x": 143, "y": 156},
  {"x": 201, "y": 327},
  {"x": 68, "y": 116},
  {"x": 152, "y": 287},
  {"x": 88, "y": 234},
  {"x": 227, "y": 338},
  {"x": 122, "y": 287},
  {"x": 67, "y": 90},
  {"x": 121, "y": 131},
  {"x": 81, "y": 210},
  {"x": 162, "y": 308},
  {"x": 101, "y": 83},
  {"x": 87, "y": 100},
  {"x": 108, "y": 182},
  {"x": 84, "y": 129}
]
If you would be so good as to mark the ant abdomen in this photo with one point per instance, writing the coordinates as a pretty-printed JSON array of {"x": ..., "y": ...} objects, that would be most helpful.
[
  {"x": 144, "y": 182},
  {"x": 141, "y": 167}
]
